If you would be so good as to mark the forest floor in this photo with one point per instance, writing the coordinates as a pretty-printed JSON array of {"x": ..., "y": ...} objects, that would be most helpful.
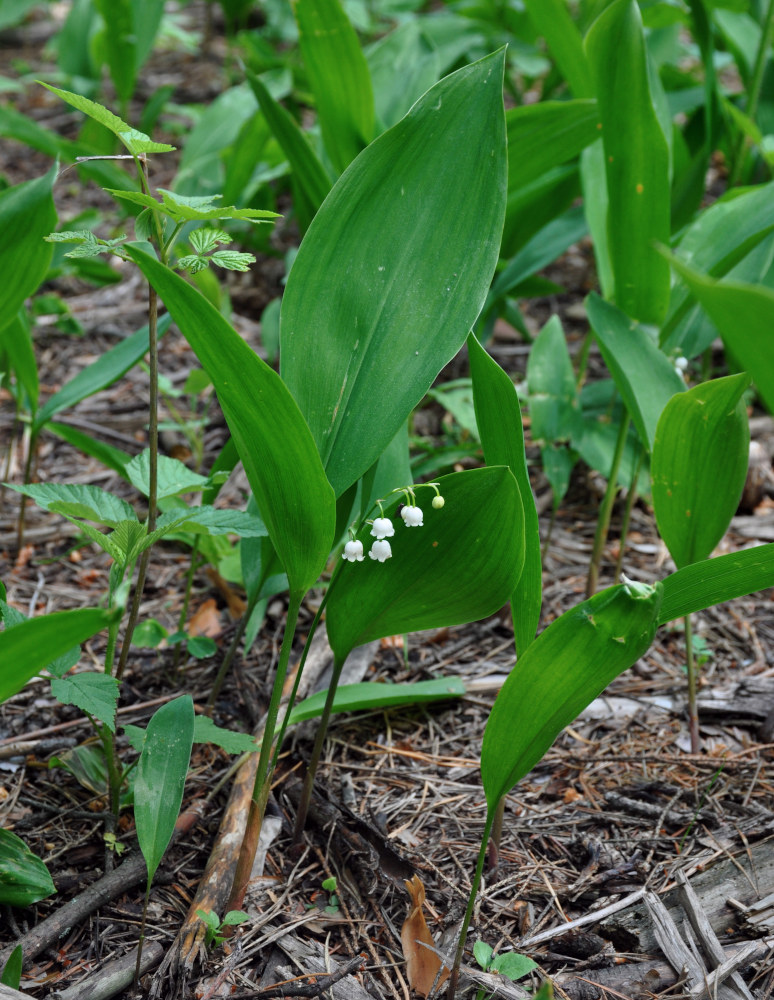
[{"x": 618, "y": 806}]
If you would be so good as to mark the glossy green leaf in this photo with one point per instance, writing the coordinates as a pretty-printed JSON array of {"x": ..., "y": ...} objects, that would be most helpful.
[
  {"x": 552, "y": 391},
  {"x": 27, "y": 214},
  {"x": 106, "y": 370},
  {"x": 29, "y": 647},
  {"x": 280, "y": 458},
  {"x": 308, "y": 172},
  {"x": 395, "y": 268},
  {"x": 339, "y": 78},
  {"x": 24, "y": 879},
  {"x": 367, "y": 696},
  {"x": 544, "y": 135},
  {"x": 713, "y": 581},
  {"x": 89, "y": 502},
  {"x": 403, "y": 65},
  {"x": 643, "y": 374},
  {"x": 92, "y": 692},
  {"x": 562, "y": 672},
  {"x": 461, "y": 565},
  {"x": 742, "y": 314},
  {"x": 161, "y": 774},
  {"x": 119, "y": 40},
  {"x": 498, "y": 416},
  {"x": 553, "y": 21},
  {"x": 636, "y": 161},
  {"x": 699, "y": 465},
  {"x": 136, "y": 142},
  {"x": 16, "y": 344}
]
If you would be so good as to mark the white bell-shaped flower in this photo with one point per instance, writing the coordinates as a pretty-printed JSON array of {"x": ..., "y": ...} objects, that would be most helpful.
[
  {"x": 412, "y": 517},
  {"x": 353, "y": 551},
  {"x": 380, "y": 550},
  {"x": 382, "y": 528}
]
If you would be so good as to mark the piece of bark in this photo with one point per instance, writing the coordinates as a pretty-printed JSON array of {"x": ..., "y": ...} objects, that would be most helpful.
[
  {"x": 744, "y": 875},
  {"x": 678, "y": 954},
  {"x": 6, "y": 993},
  {"x": 113, "y": 977},
  {"x": 704, "y": 931}
]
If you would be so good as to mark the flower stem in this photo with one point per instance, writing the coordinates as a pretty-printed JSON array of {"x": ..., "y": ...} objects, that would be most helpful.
[
  {"x": 455, "y": 971},
  {"x": 606, "y": 509},
  {"x": 264, "y": 771},
  {"x": 690, "y": 663}
]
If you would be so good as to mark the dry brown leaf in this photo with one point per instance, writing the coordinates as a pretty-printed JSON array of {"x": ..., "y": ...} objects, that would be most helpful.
[
  {"x": 205, "y": 621},
  {"x": 422, "y": 964},
  {"x": 236, "y": 604}
]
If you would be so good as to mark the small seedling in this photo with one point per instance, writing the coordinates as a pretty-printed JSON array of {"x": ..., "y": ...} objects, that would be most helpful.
[
  {"x": 215, "y": 935},
  {"x": 331, "y": 885},
  {"x": 510, "y": 964}
]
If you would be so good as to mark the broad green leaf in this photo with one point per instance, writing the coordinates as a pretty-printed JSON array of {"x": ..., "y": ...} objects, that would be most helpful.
[
  {"x": 24, "y": 879},
  {"x": 544, "y": 135},
  {"x": 713, "y": 581},
  {"x": 61, "y": 664},
  {"x": 16, "y": 344},
  {"x": 553, "y": 403},
  {"x": 395, "y": 268},
  {"x": 308, "y": 172},
  {"x": 596, "y": 205},
  {"x": 106, "y": 370},
  {"x": 403, "y": 65},
  {"x": 88, "y": 766},
  {"x": 136, "y": 142},
  {"x": 120, "y": 44},
  {"x": 512, "y": 965},
  {"x": 366, "y": 696},
  {"x": 339, "y": 78},
  {"x": 92, "y": 692},
  {"x": 282, "y": 464},
  {"x": 482, "y": 952},
  {"x": 636, "y": 161},
  {"x": 699, "y": 465},
  {"x": 161, "y": 774},
  {"x": 205, "y": 731},
  {"x": 742, "y": 314},
  {"x": 498, "y": 415},
  {"x": 532, "y": 208},
  {"x": 27, "y": 214},
  {"x": 643, "y": 374},
  {"x": 89, "y": 502},
  {"x": 174, "y": 477},
  {"x": 552, "y": 19},
  {"x": 461, "y": 565},
  {"x": 29, "y": 647},
  {"x": 562, "y": 672}
]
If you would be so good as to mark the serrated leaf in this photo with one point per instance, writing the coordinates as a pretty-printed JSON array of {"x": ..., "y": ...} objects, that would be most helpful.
[
  {"x": 85, "y": 250},
  {"x": 204, "y": 240},
  {"x": 174, "y": 477},
  {"x": 232, "y": 260},
  {"x": 94, "y": 693},
  {"x": 214, "y": 521},
  {"x": 70, "y": 236},
  {"x": 84, "y": 501},
  {"x": 193, "y": 264},
  {"x": 205, "y": 731},
  {"x": 134, "y": 141},
  {"x": 129, "y": 538}
]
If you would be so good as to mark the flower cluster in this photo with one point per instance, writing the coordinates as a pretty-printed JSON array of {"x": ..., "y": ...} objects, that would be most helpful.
[{"x": 382, "y": 527}]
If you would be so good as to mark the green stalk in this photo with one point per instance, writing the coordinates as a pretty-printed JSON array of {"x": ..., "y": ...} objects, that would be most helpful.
[
  {"x": 455, "y": 970},
  {"x": 262, "y": 785},
  {"x": 627, "y": 514},
  {"x": 756, "y": 83},
  {"x": 189, "y": 577},
  {"x": 693, "y": 713},
  {"x": 31, "y": 449},
  {"x": 606, "y": 509}
]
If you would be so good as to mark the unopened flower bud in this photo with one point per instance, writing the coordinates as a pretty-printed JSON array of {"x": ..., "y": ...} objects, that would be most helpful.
[{"x": 438, "y": 502}]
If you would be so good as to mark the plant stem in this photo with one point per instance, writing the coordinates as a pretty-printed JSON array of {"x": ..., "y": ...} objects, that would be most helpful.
[
  {"x": 693, "y": 714},
  {"x": 497, "y": 833},
  {"x": 142, "y": 934},
  {"x": 756, "y": 83},
  {"x": 606, "y": 509},
  {"x": 455, "y": 971},
  {"x": 193, "y": 564},
  {"x": 31, "y": 449},
  {"x": 263, "y": 774},
  {"x": 627, "y": 514},
  {"x": 314, "y": 760},
  {"x": 230, "y": 654}
]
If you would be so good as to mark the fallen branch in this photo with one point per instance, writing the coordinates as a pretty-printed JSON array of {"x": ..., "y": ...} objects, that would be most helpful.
[{"x": 302, "y": 987}]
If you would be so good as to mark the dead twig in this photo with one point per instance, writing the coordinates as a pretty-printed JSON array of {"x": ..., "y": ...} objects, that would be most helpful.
[{"x": 301, "y": 987}]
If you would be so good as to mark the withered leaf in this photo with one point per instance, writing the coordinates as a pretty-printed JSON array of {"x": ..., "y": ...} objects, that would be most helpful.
[{"x": 422, "y": 963}]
